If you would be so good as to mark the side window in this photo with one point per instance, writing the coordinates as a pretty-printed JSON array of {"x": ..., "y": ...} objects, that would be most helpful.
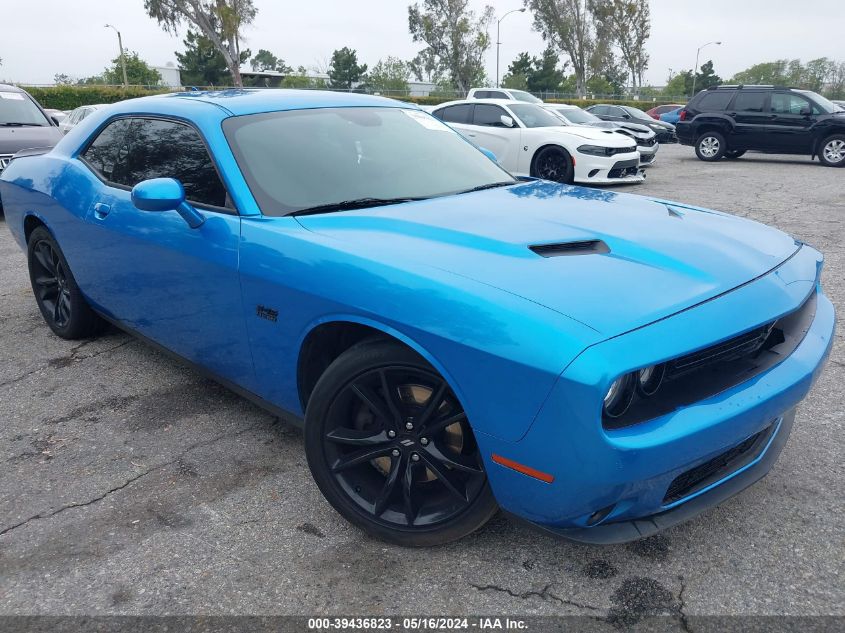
[
  {"x": 497, "y": 95},
  {"x": 617, "y": 112},
  {"x": 788, "y": 103},
  {"x": 481, "y": 94},
  {"x": 749, "y": 101},
  {"x": 714, "y": 101},
  {"x": 455, "y": 114},
  {"x": 599, "y": 110},
  {"x": 488, "y": 115},
  {"x": 108, "y": 148},
  {"x": 141, "y": 149}
]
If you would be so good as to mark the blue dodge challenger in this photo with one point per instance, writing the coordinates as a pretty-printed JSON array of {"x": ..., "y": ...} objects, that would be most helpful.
[{"x": 453, "y": 340}]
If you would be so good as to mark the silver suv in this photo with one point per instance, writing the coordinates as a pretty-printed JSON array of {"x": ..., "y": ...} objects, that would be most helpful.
[{"x": 23, "y": 124}]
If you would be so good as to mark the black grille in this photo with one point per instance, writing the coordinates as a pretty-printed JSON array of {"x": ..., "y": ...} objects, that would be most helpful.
[
  {"x": 719, "y": 467},
  {"x": 649, "y": 142},
  {"x": 706, "y": 372},
  {"x": 624, "y": 168}
]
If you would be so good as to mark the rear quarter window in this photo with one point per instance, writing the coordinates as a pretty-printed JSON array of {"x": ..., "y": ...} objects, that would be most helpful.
[{"x": 714, "y": 101}]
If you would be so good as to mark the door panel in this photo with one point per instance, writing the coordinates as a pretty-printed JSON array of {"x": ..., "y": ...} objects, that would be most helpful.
[
  {"x": 749, "y": 111},
  {"x": 789, "y": 129}
]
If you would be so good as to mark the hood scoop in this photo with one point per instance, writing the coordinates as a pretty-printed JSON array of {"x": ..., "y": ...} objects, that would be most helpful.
[{"x": 566, "y": 249}]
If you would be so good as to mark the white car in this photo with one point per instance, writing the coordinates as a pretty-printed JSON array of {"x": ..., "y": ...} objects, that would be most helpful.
[
  {"x": 531, "y": 141},
  {"x": 77, "y": 115},
  {"x": 645, "y": 139},
  {"x": 507, "y": 94}
]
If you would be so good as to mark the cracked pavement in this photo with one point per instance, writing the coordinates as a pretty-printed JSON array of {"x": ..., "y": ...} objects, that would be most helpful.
[{"x": 131, "y": 485}]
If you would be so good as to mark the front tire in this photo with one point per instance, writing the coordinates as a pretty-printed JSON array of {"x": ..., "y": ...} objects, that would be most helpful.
[
  {"x": 710, "y": 146},
  {"x": 832, "y": 151},
  {"x": 58, "y": 296},
  {"x": 554, "y": 163},
  {"x": 391, "y": 448}
]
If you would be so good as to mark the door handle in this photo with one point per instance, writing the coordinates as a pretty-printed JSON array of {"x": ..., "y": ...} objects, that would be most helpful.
[
  {"x": 471, "y": 135},
  {"x": 101, "y": 210}
]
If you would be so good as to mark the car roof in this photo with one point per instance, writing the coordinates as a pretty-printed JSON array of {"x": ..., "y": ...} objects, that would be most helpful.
[
  {"x": 9, "y": 88},
  {"x": 502, "y": 102},
  {"x": 242, "y": 101}
]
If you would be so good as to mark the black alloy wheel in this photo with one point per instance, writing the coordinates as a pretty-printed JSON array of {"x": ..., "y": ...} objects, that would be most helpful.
[
  {"x": 554, "y": 163},
  {"x": 58, "y": 297},
  {"x": 392, "y": 450}
]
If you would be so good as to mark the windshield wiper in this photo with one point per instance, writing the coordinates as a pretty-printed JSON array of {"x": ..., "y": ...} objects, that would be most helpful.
[
  {"x": 350, "y": 205},
  {"x": 491, "y": 185},
  {"x": 17, "y": 124}
]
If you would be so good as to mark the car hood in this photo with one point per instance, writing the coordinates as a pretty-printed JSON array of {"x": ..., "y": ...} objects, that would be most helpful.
[
  {"x": 587, "y": 132},
  {"x": 14, "y": 139},
  {"x": 660, "y": 258}
]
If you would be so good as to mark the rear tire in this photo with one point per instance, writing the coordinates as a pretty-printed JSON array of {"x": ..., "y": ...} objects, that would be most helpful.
[
  {"x": 58, "y": 296},
  {"x": 391, "y": 448},
  {"x": 832, "y": 151},
  {"x": 710, "y": 146},
  {"x": 555, "y": 164}
]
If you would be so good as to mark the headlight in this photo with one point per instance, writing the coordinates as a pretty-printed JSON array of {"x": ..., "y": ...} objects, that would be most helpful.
[
  {"x": 649, "y": 379},
  {"x": 619, "y": 396},
  {"x": 597, "y": 150}
]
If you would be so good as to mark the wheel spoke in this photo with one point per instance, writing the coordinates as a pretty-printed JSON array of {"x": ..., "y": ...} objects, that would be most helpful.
[
  {"x": 43, "y": 253},
  {"x": 57, "y": 310},
  {"x": 436, "y": 426},
  {"x": 374, "y": 403},
  {"x": 408, "y": 493},
  {"x": 391, "y": 484},
  {"x": 390, "y": 399},
  {"x": 357, "y": 437},
  {"x": 64, "y": 306},
  {"x": 452, "y": 459},
  {"x": 46, "y": 281},
  {"x": 448, "y": 478},
  {"x": 432, "y": 405},
  {"x": 360, "y": 457}
]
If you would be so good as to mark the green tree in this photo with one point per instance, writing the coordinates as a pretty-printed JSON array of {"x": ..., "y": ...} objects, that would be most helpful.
[
  {"x": 390, "y": 75},
  {"x": 518, "y": 72},
  {"x": 221, "y": 21},
  {"x": 456, "y": 40},
  {"x": 767, "y": 73},
  {"x": 344, "y": 69},
  {"x": 627, "y": 24},
  {"x": 816, "y": 73},
  {"x": 202, "y": 64},
  {"x": 62, "y": 79},
  {"x": 545, "y": 75},
  {"x": 264, "y": 60},
  {"x": 301, "y": 80},
  {"x": 706, "y": 78},
  {"x": 424, "y": 67},
  {"x": 679, "y": 84},
  {"x": 570, "y": 27},
  {"x": 138, "y": 73}
]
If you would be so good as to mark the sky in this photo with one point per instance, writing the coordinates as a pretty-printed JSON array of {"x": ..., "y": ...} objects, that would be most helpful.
[{"x": 40, "y": 38}]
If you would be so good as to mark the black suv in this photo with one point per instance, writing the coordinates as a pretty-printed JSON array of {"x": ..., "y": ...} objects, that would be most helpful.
[{"x": 725, "y": 121}]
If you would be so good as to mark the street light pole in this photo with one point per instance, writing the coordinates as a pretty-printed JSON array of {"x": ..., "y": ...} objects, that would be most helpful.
[
  {"x": 499, "y": 38},
  {"x": 695, "y": 70},
  {"x": 122, "y": 56}
]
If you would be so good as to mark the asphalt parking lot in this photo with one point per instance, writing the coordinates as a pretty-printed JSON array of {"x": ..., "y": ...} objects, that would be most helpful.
[{"x": 130, "y": 485}]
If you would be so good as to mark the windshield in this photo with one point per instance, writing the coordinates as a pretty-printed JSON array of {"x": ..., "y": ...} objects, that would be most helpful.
[
  {"x": 527, "y": 97},
  {"x": 824, "y": 104},
  {"x": 302, "y": 159},
  {"x": 18, "y": 109},
  {"x": 577, "y": 115},
  {"x": 638, "y": 114},
  {"x": 534, "y": 115}
]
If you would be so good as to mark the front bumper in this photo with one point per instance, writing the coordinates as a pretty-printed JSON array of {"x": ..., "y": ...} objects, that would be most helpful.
[
  {"x": 620, "y": 169},
  {"x": 613, "y": 485},
  {"x": 648, "y": 154}
]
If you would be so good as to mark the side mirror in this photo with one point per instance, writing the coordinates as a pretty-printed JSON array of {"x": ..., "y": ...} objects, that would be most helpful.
[
  {"x": 55, "y": 120},
  {"x": 165, "y": 194},
  {"x": 806, "y": 111},
  {"x": 489, "y": 154},
  {"x": 626, "y": 116},
  {"x": 506, "y": 120}
]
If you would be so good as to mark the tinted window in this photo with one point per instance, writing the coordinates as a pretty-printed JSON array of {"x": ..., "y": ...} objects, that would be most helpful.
[
  {"x": 308, "y": 158},
  {"x": 488, "y": 115},
  {"x": 749, "y": 101},
  {"x": 129, "y": 151},
  {"x": 714, "y": 101},
  {"x": 617, "y": 112},
  {"x": 481, "y": 94},
  {"x": 497, "y": 95},
  {"x": 788, "y": 103},
  {"x": 598, "y": 110},
  {"x": 534, "y": 116},
  {"x": 455, "y": 114}
]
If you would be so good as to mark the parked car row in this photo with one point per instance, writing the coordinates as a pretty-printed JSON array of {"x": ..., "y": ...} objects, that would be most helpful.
[
  {"x": 529, "y": 140},
  {"x": 726, "y": 121}
]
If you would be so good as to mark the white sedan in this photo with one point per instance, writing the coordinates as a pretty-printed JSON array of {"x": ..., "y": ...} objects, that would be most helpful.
[{"x": 530, "y": 141}]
